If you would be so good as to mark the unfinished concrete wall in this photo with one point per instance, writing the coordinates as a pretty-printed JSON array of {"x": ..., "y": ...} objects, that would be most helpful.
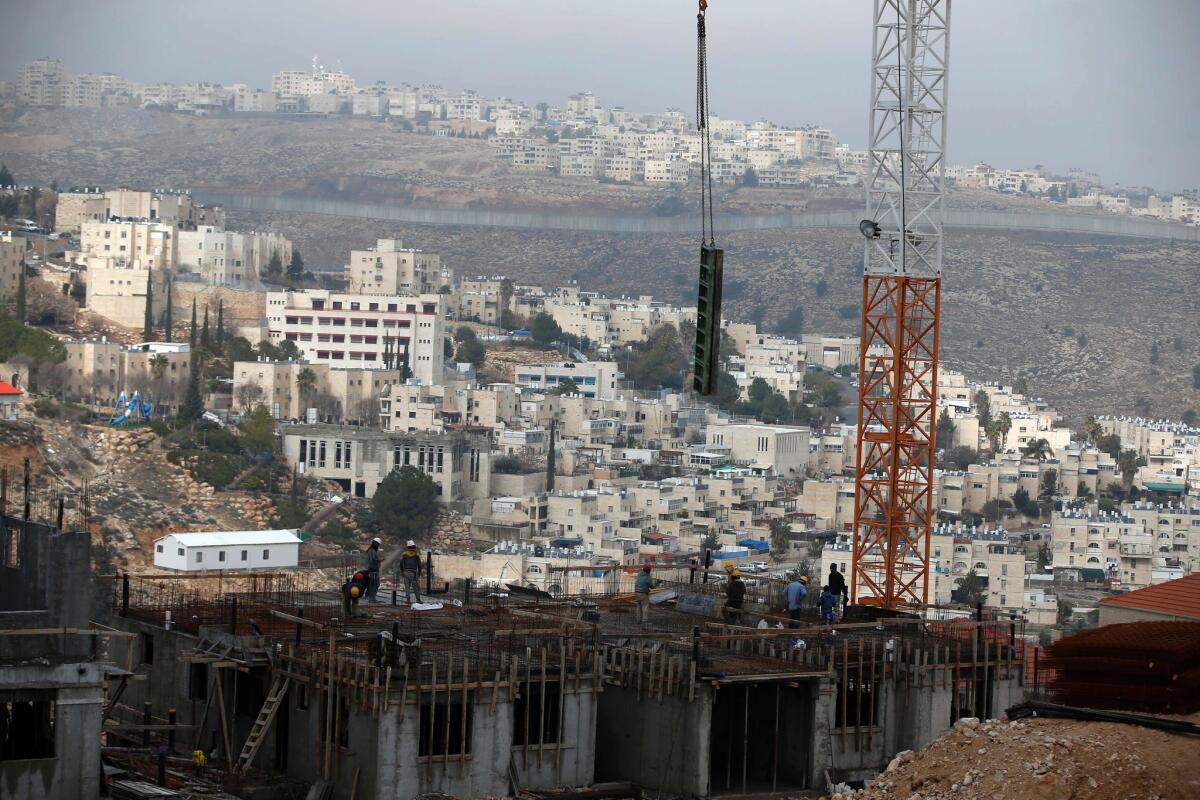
[
  {"x": 654, "y": 743},
  {"x": 73, "y": 772},
  {"x": 49, "y": 585}
]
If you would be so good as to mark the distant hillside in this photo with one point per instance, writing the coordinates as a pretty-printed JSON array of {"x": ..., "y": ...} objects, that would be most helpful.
[{"x": 1077, "y": 318}]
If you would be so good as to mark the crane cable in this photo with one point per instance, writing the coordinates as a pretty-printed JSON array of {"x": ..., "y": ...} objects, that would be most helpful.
[{"x": 707, "y": 231}]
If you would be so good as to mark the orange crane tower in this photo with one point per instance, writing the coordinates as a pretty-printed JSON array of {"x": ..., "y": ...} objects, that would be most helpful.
[{"x": 901, "y": 304}]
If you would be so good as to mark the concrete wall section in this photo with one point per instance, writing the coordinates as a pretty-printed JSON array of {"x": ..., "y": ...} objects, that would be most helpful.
[
  {"x": 73, "y": 773},
  {"x": 654, "y": 743}
]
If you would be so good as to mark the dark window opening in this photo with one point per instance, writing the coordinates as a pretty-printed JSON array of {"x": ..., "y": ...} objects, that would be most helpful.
[
  {"x": 197, "y": 682},
  {"x": 443, "y": 734},
  {"x": 856, "y": 703},
  {"x": 147, "y": 648},
  {"x": 27, "y": 724},
  {"x": 542, "y": 725}
]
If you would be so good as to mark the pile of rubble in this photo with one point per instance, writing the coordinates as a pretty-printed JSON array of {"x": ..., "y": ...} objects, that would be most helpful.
[{"x": 1041, "y": 758}]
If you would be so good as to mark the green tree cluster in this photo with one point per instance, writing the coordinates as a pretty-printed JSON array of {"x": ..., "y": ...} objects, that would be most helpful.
[
  {"x": 257, "y": 431},
  {"x": 407, "y": 503},
  {"x": 660, "y": 362},
  {"x": 544, "y": 329}
]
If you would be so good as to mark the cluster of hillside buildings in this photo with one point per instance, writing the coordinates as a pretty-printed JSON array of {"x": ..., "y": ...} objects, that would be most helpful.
[
  {"x": 579, "y": 139},
  {"x": 636, "y": 475}
]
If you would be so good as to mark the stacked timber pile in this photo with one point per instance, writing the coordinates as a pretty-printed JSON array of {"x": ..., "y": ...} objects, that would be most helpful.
[
  {"x": 1137, "y": 666},
  {"x": 1044, "y": 759}
]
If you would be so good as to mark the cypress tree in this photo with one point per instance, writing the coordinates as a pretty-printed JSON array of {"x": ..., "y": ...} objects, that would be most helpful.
[
  {"x": 21, "y": 295},
  {"x": 220, "y": 326},
  {"x": 148, "y": 321},
  {"x": 193, "y": 403},
  {"x": 168, "y": 315},
  {"x": 204, "y": 340},
  {"x": 192, "y": 335}
]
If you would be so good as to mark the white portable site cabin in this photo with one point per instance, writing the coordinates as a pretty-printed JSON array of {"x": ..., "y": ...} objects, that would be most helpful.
[{"x": 227, "y": 550}]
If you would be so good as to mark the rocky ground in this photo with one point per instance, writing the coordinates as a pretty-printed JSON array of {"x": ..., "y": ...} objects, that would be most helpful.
[{"x": 1042, "y": 758}]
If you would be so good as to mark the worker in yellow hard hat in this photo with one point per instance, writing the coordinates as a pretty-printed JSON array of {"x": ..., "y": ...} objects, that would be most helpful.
[
  {"x": 729, "y": 567},
  {"x": 735, "y": 597}
]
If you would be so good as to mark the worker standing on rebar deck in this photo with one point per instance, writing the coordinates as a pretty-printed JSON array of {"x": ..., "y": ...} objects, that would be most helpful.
[
  {"x": 735, "y": 597},
  {"x": 837, "y": 585},
  {"x": 794, "y": 594},
  {"x": 641, "y": 590},
  {"x": 410, "y": 571},
  {"x": 373, "y": 560}
]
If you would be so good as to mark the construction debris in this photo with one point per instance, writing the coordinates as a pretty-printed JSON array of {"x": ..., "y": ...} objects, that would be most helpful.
[{"x": 1042, "y": 758}]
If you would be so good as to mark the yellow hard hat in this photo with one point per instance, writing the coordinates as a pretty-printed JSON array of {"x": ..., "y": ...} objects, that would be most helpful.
[
  {"x": 355, "y": 591},
  {"x": 729, "y": 565},
  {"x": 737, "y": 573},
  {"x": 804, "y": 579}
]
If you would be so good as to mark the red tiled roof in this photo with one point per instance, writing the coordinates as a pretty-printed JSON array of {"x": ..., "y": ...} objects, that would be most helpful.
[
  {"x": 1179, "y": 597},
  {"x": 6, "y": 388}
]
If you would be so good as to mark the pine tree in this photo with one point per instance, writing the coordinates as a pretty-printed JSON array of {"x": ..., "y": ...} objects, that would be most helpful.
[
  {"x": 148, "y": 321},
  {"x": 21, "y": 295},
  {"x": 168, "y": 315},
  {"x": 295, "y": 269},
  {"x": 192, "y": 335},
  {"x": 405, "y": 371},
  {"x": 550, "y": 465},
  {"x": 221, "y": 326},
  {"x": 193, "y": 403},
  {"x": 204, "y": 340}
]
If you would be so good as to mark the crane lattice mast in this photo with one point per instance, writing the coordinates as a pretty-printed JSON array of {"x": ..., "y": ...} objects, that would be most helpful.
[{"x": 901, "y": 304}]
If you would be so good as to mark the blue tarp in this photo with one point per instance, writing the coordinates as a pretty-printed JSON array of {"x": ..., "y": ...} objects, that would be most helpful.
[{"x": 755, "y": 544}]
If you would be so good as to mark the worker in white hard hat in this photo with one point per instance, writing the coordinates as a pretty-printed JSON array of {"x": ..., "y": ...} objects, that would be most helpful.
[
  {"x": 373, "y": 561},
  {"x": 410, "y": 571}
]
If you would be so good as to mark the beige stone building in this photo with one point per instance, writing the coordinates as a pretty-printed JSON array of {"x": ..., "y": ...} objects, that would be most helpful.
[
  {"x": 391, "y": 269},
  {"x": 12, "y": 261},
  {"x": 360, "y": 458},
  {"x": 139, "y": 244},
  {"x": 118, "y": 293},
  {"x": 341, "y": 393},
  {"x": 777, "y": 449},
  {"x": 98, "y": 370},
  {"x": 168, "y": 208}
]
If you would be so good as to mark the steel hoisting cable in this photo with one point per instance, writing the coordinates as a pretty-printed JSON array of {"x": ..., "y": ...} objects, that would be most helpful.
[{"x": 707, "y": 231}]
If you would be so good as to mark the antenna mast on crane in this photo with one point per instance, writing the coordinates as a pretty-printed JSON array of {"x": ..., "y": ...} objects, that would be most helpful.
[{"x": 901, "y": 304}]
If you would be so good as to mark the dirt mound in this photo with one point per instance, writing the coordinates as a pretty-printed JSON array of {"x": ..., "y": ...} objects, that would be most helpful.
[{"x": 1043, "y": 758}]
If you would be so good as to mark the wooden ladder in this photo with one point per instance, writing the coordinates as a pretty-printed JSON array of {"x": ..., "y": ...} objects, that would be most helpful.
[{"x": 275, "y": 696}]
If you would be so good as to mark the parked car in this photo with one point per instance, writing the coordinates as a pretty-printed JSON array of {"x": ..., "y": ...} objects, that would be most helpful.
[{"x": 758, "y": 566}]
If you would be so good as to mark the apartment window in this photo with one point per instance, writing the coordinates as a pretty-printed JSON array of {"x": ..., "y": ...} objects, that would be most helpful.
[
  {"x": 446, "y": 728},
  {"x": 321, "y": 456},
  {"x": 337, "y": 455},
  {"x": 346, "y": 455},
  {"x": 29, "y": 733},
  {"x": 221, "y": 555},
  {"x": 179, "y": 551},
  {"x": 266, "y": 555},
  {"x": 158, "y": 548},
  {"x": 245, "y": 555},
  {"x": 199, "y": 556}
]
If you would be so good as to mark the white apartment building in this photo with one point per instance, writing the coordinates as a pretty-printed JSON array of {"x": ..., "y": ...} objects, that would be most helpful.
[
  {"x": 1104, "y": 546},
  {"x": 345, "y": 329},
  {"x": 226, "y": 258},
  {"x": 664, "y": 172},
  {"x": 592, "y": 378},
  {"x": 42, "y": 82}
]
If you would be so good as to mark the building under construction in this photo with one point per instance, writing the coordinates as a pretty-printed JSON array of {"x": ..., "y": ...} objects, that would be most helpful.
[{"x": 523, "y": 693}]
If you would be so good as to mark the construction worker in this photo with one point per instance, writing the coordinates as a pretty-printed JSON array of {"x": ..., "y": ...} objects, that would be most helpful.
[
  {"x": 641, "y": 590},
  {"x": 827, "y": 602},
  {"x": 735, "y": 597},
  {"x": 373, "y": 560},
  {"x": 837, "y": 585},
  {"x": 794, "y": 594},
  {"x": 353, "y": 590},
  {"x": 410, "y": 571}
]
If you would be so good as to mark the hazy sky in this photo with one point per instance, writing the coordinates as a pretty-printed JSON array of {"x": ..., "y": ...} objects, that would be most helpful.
[{"x": 1108, "y": 85}]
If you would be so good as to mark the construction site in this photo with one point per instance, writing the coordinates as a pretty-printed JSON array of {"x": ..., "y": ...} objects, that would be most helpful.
[{"x": 298, "y": 683}]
